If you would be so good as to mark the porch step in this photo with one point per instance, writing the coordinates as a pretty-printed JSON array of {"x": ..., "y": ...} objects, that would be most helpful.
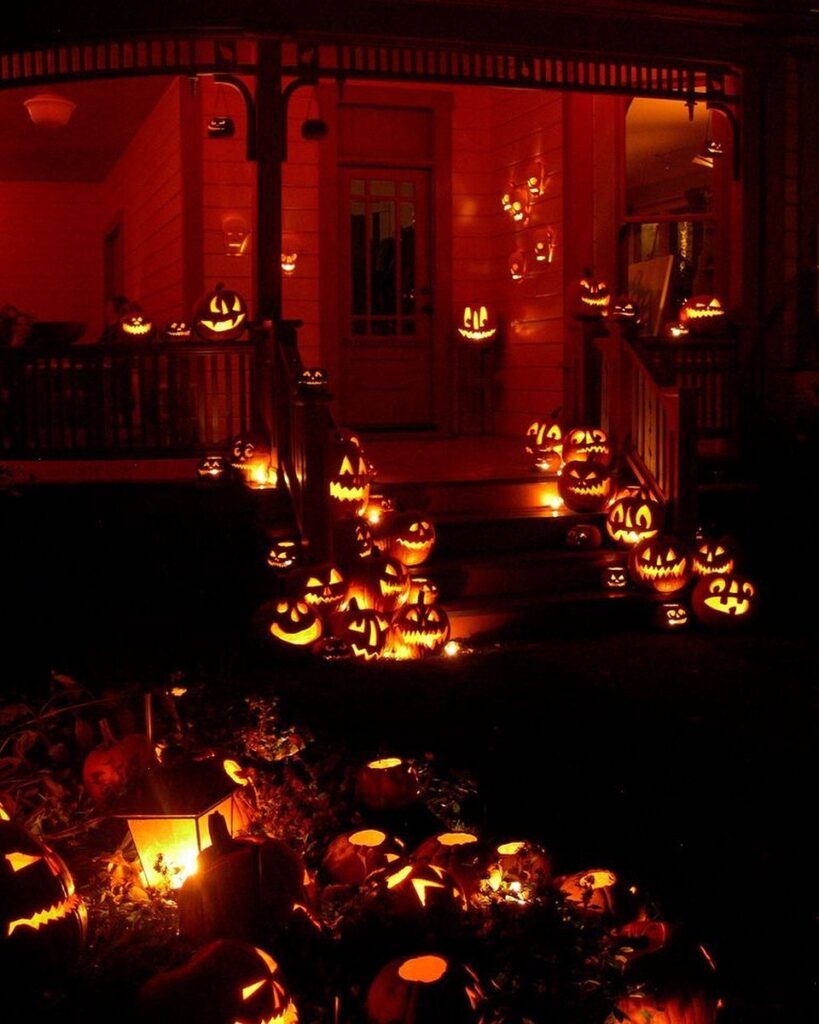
[{"x": 446, "y": 498}]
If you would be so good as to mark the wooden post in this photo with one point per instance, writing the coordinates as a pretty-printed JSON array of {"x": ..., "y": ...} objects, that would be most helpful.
[
  {"x": 316, "y": 516},
  {"x": 271, "y": 125}
]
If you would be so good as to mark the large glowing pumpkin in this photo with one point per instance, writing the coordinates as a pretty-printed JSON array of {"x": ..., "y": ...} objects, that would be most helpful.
[
  {"x": 584, "y": 486},
  {"x": 351, "y": 857},
  {"x": 364, "y": 630},
  {"x": 459, "y": 853},
  {"x": 321, "y": 586},
  {"x": 424, "y": 989},
  {"x": 725, "y": 600},
  {"x": 408, "y": 890},
  {"x": 712, "y": 556},
  {"x": 420, "y": 629},
  {"x": 221, "y": 315},
  {"x": 380, "y": 582},
  {"x": 587, "y": 444},
  {"x": 633, "y": 517},
  {"x": 661, "y": 563},
  {"x": 290, "y": 621}
]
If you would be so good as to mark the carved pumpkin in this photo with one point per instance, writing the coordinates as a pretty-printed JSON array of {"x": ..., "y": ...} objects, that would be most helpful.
[
  {"x": 242, "y": 888},
  {"x": 378, "y": 505},
  {"x": 212, "y": 467},
  {"x": 587, "y": 444},
  {"x": 350, "y": 481},
  {"x": 724, "y": 599},
  {"x": 109, "y": 768},
  {"x": 135, "y": 327},
  {"x": 291, "y": 621},
  {"x": 424, "y": 990},
  {"x": 544, "y": 444},
  {"x": 42, "y": 919},
  {"x": 584, "y": 486},
  {"x": 593, "y": 297},
  {"x": 712, "y": 556},
  {"x": 422, "y": 591},
  {"x": 352, "y": 541},
  {"x": 675, "y": 331},
  {"x": 221, "y": 316},
  {"x": 459, "y": 853},
  {"x": 387, "y": 784},
  {"x": 703, "y": 314},
  {"x": 351, "y": 857},
  {"x": 177, "y": 330},
  {"x": 283, "y": 554},
  {"x": 671, "y": 616},
  {"x": 406, "y": 536},
  {"x": 314, "y": 379},
  {"x": 599, "y": 893},
  {"x": 420, "y": 630},
  {"x": 379, "y": 582},
  {"x": 626, "y": 311},
  {"x": 674, "y": 985},
  {"x": 632, "y": 518},
  {"x": 583, "y": 537},
  {"x": 322, "y": 586},
  {"x": 518, "y": 871},
  {"x": 478, "y": 324},
  {"x": 251, "y": 458},
  {"x": 517, "y": 265},
  {"x": 225, "y": 982},
  {"x": 661, "y": 563},
  {"x": 615, "y": 577},
  {"x": 412, "y": 889},
  {"x": 364, "y": 629},
  {"x": 330, "y": 648}
]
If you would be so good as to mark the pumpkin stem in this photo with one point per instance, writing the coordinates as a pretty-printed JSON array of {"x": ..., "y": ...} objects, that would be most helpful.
[{"x": 220, "y": 836}]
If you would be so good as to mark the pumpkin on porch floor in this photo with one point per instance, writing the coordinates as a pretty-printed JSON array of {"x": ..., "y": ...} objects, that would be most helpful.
[
  {"x": 225, "y": 982},
  {"x": 289, "y": 621},
  {"x": 351, "y": 857},
  {"x": 364, "y": 630},
  {"x": 661, "y": 563},
  {"x": 211, "y": 467},
  {"x": 712, "y": 556},
  {"x": 221, "y": 315},
  {"x": 425, "y": 989},
  {"x": 725, "y": 600},
  {"x": 419, "y": 630},
  {"x": 671, "y": 616},
  {"x": 584, "y": 486},
  {"x": 387, "y": 784}
]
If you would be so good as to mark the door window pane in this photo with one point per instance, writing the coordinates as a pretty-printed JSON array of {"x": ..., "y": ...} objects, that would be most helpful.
[
  {"x": 358, "y": 258},
  {"x": 382, "y": 249}
]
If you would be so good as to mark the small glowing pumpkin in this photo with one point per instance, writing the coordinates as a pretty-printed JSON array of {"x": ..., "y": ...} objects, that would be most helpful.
[
  {"x": 251, "y": 458},
  {"x": 587, "y": 444},
  {"x": 406, "y": 536},
  {"x": 387, "y": 783},
  {"x": 478, "y": 324},
  {"x": 544, "y": 444},
  {"x": 615, "y": 577},
  {"x": 314, "y": 379},
  {"x": 408, "y": 890},
  {"x": 212, "y": 467},
  {"x": 592, "y": 299},
  {"x": 703, "y": 314},
  {"x": 600, "y": 894},
  {"x": 671, "y": 616},
  {"x": 712, "y": 556},
  {"x": 352, "y": 541},
  {"x": 177, "y": 330},
  {"x": 135, "y": 327},
  {"x": 283, "y": 554},
  {"x": 661, "y": 563},
  {"x": 364, "y": 629}
]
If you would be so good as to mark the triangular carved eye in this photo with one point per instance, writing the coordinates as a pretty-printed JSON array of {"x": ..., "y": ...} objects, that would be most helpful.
[
  {"x": 390, "y": 570},
  {"x": 720, "y": 550},
  {"x": 335, "y": 576},
  {"x": 18, "y": 861},
  {"x": 249, "y": 990},
  {"x": 346, "y": 467},
  {"x": 357, "y": 627},
  {"x": 314, "y": 581},
  {"x": 671, "y": 556}
]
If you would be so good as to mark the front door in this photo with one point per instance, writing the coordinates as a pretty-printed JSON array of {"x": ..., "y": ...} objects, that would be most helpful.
[{"x": 387, "y": 355}]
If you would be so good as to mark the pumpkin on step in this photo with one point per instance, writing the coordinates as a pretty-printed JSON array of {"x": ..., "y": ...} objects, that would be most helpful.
[
  {"x": 632, "y": 518},
  {"x": 712, "y": 556},
  {"x": 349, "y": 477},
  {"x": 424, "y": 989},
  {"x": 725, "y": 600},
  {"x": 544, "y": 443},
  {"x": 381, "y": 583},
  {"x": 587, "y": 444},
  {"x": 419, "y": 630},
  {"x": 289, "y": 621},
  {"x": 322, "y": 587},
  {"x": 584, "y": 486},
  {"x": 364, "y": 630},
  {"x": 406, "y": 536},
  {"x": 661, "y": 563}
]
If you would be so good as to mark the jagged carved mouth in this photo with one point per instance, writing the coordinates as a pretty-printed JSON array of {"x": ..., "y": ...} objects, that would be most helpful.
[
  {"x": 589, "y": 490},
  {"x": 417, "y": 638},
  {"x": 342, "y": 493},
  {"x": 414, "y": 545},
  {"x": 65, "y": 908},
  {"x": 321, "y": 599},
  {"x": 663, "y": 572},
  {"x": 364, "y": 652},
  {"x": 476, "y": 335}
]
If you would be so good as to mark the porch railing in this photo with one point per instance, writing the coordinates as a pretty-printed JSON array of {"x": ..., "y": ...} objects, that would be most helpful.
[
  {"x": 653, "y": 423},
  {"x": 106, "y": 400}
]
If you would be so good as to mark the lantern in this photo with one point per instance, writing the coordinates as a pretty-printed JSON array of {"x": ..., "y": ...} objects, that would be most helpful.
[
  {"x": 459, "y": 853},
  {"x": 225, "y": 982},
  {"x": 177, "y": 330},
  {"x": 167, "y": 814},
  {"x": 703, "y": 314},
  {"x": 632, "y": 518},
  {"x": 544, "y": 443},
  {"x": 135, "y": 327},
  {"x": 406, "y": 536},
  {"x": 724, "y": 599},
  {"x": 221, "y": 315},
  {"x": 252, "y": 459},
  {"x": 671, "y": 616},
  {"x": 424, "y": 990},
  {"x": 661, "y": 563},
  {"x": 414, "y": 889},
  {"x": 379, "y": 582},
  {"x": 584, "y": 486},
  {"x": 592, "y": 300},
  {"x": 478, "y": 324},
  {"x": 365, "y": 630},
  {"x": 42, "y": 919},
  {"x": 712, "y": 556},
  {"x": 518, "y": 871},
  {"x": 587, "y": 444},
  {"x": 351, "y": 857},
  {"x": 387, "y": 784},
  {"x": 212, "y": 467}
]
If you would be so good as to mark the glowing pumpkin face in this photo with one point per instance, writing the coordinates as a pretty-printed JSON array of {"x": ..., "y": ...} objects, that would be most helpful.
[
  {"x": 212, "y": 467},
  {"x": 380, "y": 583},
  {"x": 250, "y": 457},
  {"x": 703, "y": 314},
  {"x": 615, "y": 577},
  {"x": 459, "y": 853},
  {"x": 352, "y": 541},
  {"x": 177, "y": 330},
  {"x": 544, "y": 444},
  {"x": 294, "y": 623},
  {"x": 412, "y": 889},
  {"x": 593, "y": 299},
  {"x": 583, "y": 537},
  {"x": 598, "y": 893},
  {"x": 724, "y": 599},
  {"x": 42, "y": 919},
  {"x": 661, "y": 563},
  {"x": 424, "y": 988},
  {"x": 518, "y": 871},
  {"x": 671, "y": 616},
  {"x": 387, "y": 784},
  {"x": 584, "y": 486},
  {"x": 712, "y": 556},
  {"x": 135, "y": 327},
  {"x": 314, "y": 378},
  {"x": 364, "y": 629},
  {"x": 283, "y": 555},
  {"x": 420, "y": 629},
  {"x": 351, "y": 857},
  {"x": 587, "y": 444},
  {"x": 350, "y": 484},
  {"x": 407, "y": 537},
  {"x": 222, "y": 315},
  {"x": 322, "y": 587},
  {"x": 478, "y": 324},
  {"x": 626, "y": 311},
  {"x": 633, "y": 518}
]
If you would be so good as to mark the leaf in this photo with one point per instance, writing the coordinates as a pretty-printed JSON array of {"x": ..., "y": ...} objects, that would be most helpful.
[
  {"x": 69, "y": 682},
  {"x": 12, "y": 712}
]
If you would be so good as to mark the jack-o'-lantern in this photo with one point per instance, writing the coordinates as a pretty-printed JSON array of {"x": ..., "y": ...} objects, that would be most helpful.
[
  {"x": 632, "y": 518},
  {"x": 626, "y": 311},
  {"x": 251, "y": 458},
  {"x": 587, "y": 444},
  {"x": 135, "y": 327},
  {"x": 517, "y": 265},
  {"x": 416, "y": 888},
  {"x": 661, "y": 563},
  {"x": 349, "y": 480},
  {"x": 724, "y": 599},
  {"x": 676, "y": 984},
  {"x": 378, "y": 506},
  {"x": 243, "y": 888},
  {"x": 109, "y": 768},
  {"x": 642, "y": 936},
  {"x": 291, "y": 621},
  {"x": 364, "y": 629},
  {"x": 177, "y": 330},
  {"x": 600, "y": 894},
  {"x": 322, "y": 586},
  {"x": 676, "y": 331},
  {"x": 459, "y": 853},
  {"x": 212, "y": 467},
  {"x": 583, "y": 537},
  {"x": 42, "y": 919},
  {"x": 517, "y": 872},
  {"x": 584, "y": 486},
  {"x": 423, "y": 990},
  {"x": 386, "y": 784},
  {"x": 283, "y": 554},
  {"x": 330, "y": 648},
  {"x": 351, "y": 857},
  {"x": 615, "y": 577},
  {"x": 703, "y": 314},
  {"x": 379, "y": 582},
  {"x": 225, "y": 982},
  {"x": 478, "y": 324},
  {"x": 221, "y": 316},
  {"x": 420, "y": 630},
  {"x": 544, "y": 444},
  {"x": 712, "y": 556},
  {"x": 352, "y": 541},
  {"x": 406, "y": 536},
  {"x": 592, "y": 299},
  {"x": 671, "y": 616},
  {"x": 313, "y": 379},
  {"x": 422, "y": 591}
]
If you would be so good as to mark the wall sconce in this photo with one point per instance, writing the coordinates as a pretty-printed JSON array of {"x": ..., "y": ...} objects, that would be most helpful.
[
  {"x": 237, "y": 234},
  {"x": 289, "y": 260},
  {"x": 168, "y": 817},
  {"x": 517, "y": 265},
  {"x": 49, "y": 109},
  {"x": 545, "y": 248}
]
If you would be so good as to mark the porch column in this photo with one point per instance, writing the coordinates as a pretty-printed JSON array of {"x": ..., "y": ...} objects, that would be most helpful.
[{"x": 271, "y": 124}]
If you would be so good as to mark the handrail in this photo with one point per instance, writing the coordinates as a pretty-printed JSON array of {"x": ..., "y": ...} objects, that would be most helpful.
[{"x": 654, "y": 424}]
